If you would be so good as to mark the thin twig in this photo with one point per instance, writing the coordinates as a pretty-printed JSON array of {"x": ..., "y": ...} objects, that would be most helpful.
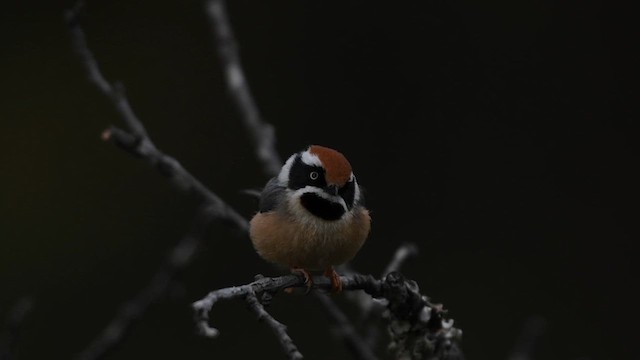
[
  {"x": 262, "y": 133},
  {"x": 277, "y": 327},
  {"x": 10, "y": 335},
  {"x": 136, "y": 141},
  {"x": 267, "y": 285},
  {"x": 174, "y": 171},
  {"x": 115, "y": 93}
]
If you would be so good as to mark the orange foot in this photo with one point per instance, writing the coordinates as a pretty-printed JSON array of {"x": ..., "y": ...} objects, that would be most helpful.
[
  {"x": 308, "y": 280},
  {"x": 336, "y": 283}
]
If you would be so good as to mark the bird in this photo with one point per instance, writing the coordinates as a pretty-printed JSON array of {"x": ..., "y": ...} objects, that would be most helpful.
[{"x": 311, "y": 216}]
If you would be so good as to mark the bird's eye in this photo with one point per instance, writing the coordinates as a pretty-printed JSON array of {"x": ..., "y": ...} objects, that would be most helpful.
[{"x": 313, "y": 175}]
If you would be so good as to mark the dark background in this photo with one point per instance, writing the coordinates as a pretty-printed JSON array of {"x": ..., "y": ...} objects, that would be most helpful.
[{"x": 495, "y": 135}]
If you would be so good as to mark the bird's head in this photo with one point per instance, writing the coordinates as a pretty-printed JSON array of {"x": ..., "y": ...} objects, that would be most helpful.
[{"x": 322, "y": 180}]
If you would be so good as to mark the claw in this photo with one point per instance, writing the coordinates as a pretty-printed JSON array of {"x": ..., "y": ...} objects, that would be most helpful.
[
  {"x": 308, "y": 280},
  {"x": 336, "y": 283}
]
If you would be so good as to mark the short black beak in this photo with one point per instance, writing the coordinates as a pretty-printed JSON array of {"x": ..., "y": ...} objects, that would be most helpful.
[{"x": 331, "y": 190}]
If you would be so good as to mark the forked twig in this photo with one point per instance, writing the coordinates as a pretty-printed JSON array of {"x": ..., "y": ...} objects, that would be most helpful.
[
  {"x": 418, "y": 327},
  {"x": 430, "y": 333},
  {"x": 136, "y": 141}
]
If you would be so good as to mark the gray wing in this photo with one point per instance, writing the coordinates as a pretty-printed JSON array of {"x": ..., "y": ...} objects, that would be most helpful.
[{"x": 271, "y": 195}]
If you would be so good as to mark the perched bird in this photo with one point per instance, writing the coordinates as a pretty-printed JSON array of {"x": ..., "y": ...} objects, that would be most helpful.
[{"x": 311, "y": 215}]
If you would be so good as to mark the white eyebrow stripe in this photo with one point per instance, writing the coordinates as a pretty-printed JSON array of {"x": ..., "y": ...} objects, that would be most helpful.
[
  {"x": 311, "y": 159},
  {"x": 283, "y": 176},
  {"x": 356, "y": 189}
]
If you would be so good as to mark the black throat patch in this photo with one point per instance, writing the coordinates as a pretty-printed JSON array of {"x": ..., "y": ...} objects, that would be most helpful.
[{"x": 322, "y": 208}]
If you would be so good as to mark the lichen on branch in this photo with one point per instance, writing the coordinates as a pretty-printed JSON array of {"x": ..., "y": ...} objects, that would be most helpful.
[{"x": 418, "y": 328}]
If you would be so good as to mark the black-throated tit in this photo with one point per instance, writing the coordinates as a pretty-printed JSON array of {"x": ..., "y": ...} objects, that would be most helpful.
[{"x": 311, "y": 215}]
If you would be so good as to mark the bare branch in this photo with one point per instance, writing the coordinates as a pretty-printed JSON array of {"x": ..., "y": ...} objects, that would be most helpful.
[
  {"x": 136, "y": 141},
  {"x": 114, "y": 93},
  {"x": 172, "y": 169},
  {"x": 180, "y": 256},
  {"x": 277, "y": 327},
  {"x": 262, "y": 133},
  {"x": 15, "y": 317},
  {"x": 418, "y": 328},
  {"x": 203, "y": 306},
  {"x": 438, "y": 338}
]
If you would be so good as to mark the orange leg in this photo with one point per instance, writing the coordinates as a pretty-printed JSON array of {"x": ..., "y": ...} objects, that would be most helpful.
[
  {"x": 308, "y": 280},
  {"x": 336, "y": 283}
]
